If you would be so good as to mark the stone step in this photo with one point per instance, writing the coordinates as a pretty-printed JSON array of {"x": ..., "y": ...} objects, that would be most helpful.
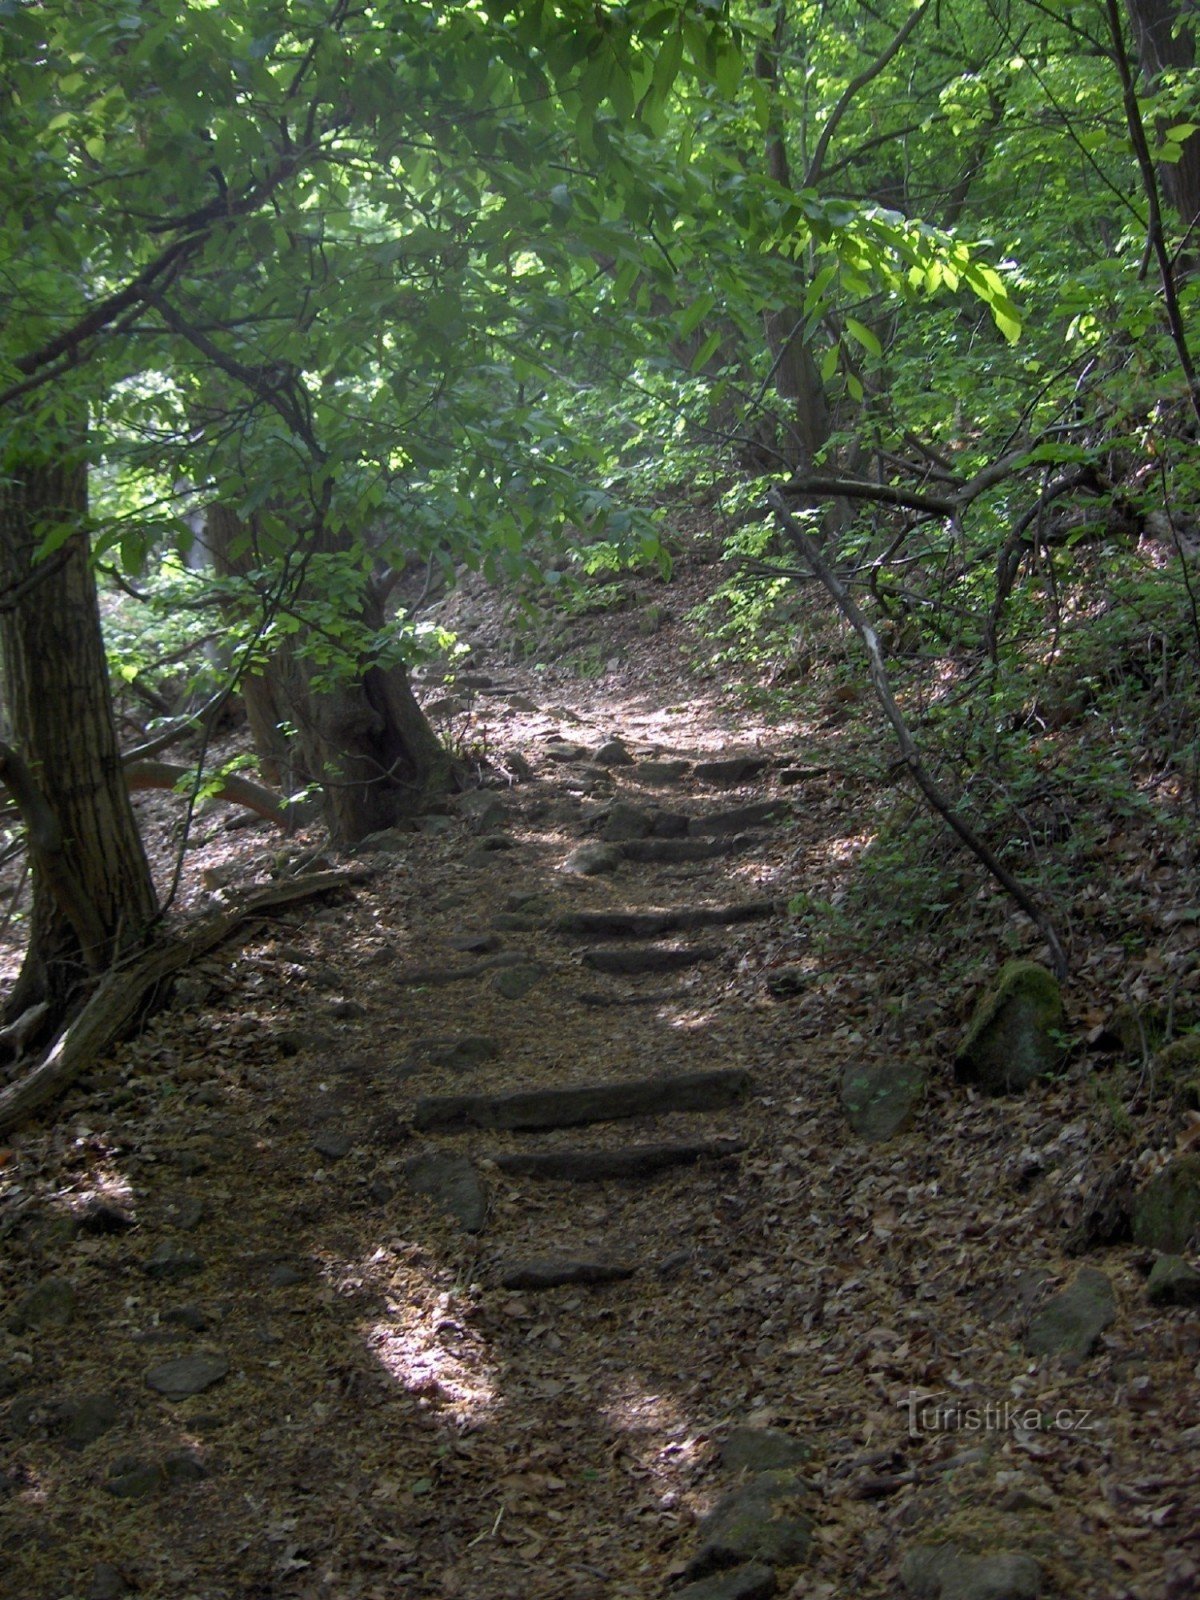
[
  {"x": 650, "y": 924},
  {"x": 670, "y": 852},
  {"x": 597, "y": 1102},
  {"x": 630, "y": 959},
  {"x": 552, "y": 1272},
  {"x": 594, "y": 1166}
]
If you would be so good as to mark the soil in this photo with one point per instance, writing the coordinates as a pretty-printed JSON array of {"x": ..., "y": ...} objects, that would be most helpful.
[{"x": 380, "y": 1415}]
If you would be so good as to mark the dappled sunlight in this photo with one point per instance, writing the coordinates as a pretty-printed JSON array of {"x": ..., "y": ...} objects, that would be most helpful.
[{"x": 424, "y": 1341}]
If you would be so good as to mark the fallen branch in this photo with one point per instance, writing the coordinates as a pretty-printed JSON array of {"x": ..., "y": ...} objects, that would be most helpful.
[
  {"x": 239, "y": 791},
  {"x": 807, "y": 547},
  {"x": 122, "y": 994}
]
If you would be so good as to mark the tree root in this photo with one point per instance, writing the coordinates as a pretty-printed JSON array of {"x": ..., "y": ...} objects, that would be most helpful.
[{"x": 124, "y": 992}]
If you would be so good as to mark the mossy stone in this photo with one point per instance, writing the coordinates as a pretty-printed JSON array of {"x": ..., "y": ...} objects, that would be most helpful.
[
  {"x": 1167, "y": 1212},
  {"x": 881, "y": 1099},
  {"x": 1013, "y": 1037},
  {"x": 1173, "y": 1282}
]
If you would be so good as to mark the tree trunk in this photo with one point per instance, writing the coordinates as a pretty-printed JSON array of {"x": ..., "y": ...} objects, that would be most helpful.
[
  {"x": 93, "y": 898},
  {"x": 363, "y": 739},
  {"x": 1166, "y": 43}
]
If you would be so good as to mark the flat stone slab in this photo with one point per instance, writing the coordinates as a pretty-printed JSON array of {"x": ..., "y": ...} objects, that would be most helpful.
[
  {"x": 594, "y": 1166},
  {"x": 731, "y": 770},
  {"x": 187, "y": 1375},
  {"x": 650, "y": 924},
  {"x": 598, "y": 1102},
  {"x": 627, "y": 959},
  {"x": 1070, "y": 1324},
  {"x": 553, "y": 1272},
  {"x": 671, "y": 852},
  {"x": 759, "y": 814},
  {"x": 661, "y": 772},
  {"x": 454, "y": 1186}
]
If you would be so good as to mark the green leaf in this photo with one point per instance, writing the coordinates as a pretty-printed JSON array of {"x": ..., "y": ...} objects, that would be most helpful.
[
  {"x": 868, "y": 340},
  {"x": 695, "y": 313}
]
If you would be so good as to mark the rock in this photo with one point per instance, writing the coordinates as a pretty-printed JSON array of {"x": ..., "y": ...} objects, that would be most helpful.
[
  {"x": 670, "y": 852},
  {"x": 483, "y": 809},
  {"x": 617, "y": 924},
  {"x": 946, "y": 1572},
  {"x": 881, "y": 1099},
  {"x": 107, "y": 1582},
  {"x": 552, "y": 1273},
  {"x": 636, "y": 958},
  {"x": 729, "y": 771},
  {"x": 759, "y": 814},
  {"x": 82, "y": 1422},
  {"x": 187, "y": 1214},
  {"x": 187, "y": 1375},
  {"x": 514, "y": 983},
  {"x": 1133, "y": 1030},
  {"x": 762, "y": 1450},
  {"x": 182, "y": 1466},
  {"x": 668, "y": 824},
  {"x": 10, "y": 1379},
  {"x": 785, "y": 983},
  {"x": 189, "y": 1317},
  {"x": 102, "y": 1217},
  {"x": 131, "y": 1478},
  {"x": 1070, "y": 1324},
  {"x": 453, "y": 1184},
  {"x": 458, "y": 1055},
  {"x": 1167, "y": 1211},
  {"x": 169, "y": 1263},
  {"x": 332, "y": 1143},
  {"x": 563, "y": 752},
  {"x": 475, "y": 944},
  {"x": 752, "y": 1582},
  {"x": 600, "y": 1102},
  {"x": 593, "y": 1166},
  {"x": 612, "y": 753},
  {"x": 593, "y": 860},
  {"x": 285, "y": 1275},
  {"x": 1013, "y": 1037},
  {"x": 661, "y": 773},
  {"x": 1173, "y": 1282},
  {"x": 49, "y": 1304},
  {"x": 764, "y": 1521},
  {"x": 623, "y": 821}
]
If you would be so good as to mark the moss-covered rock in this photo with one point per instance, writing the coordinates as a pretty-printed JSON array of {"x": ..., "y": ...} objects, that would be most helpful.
[
  {"x": 1014, "y": 1036},
  {"x": 946, "y": 1572},
  {"x": 1071, "y": 1323},
  {"x": 1167, "y": 1212},
  {"x": 766, "y": 1521},
  {"x": 1173, "y": 1282},
  {"x": 1176, "y": 1072}
]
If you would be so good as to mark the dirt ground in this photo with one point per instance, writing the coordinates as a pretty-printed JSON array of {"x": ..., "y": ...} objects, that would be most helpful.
[{"x": 386, "y": 1410}]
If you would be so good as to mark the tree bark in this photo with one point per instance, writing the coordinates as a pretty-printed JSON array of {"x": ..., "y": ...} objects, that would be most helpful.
[
  {"x": 363, "y": 739},
  {"x": 93, "y": 897},
  {"x": 1166, "y": 42}
]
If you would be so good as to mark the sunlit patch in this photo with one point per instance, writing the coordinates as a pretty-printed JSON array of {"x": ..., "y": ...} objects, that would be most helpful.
[
  {"x": 630, "y": 1408},
  {"x": 425, "y": 1341},
  {"x": 689, "y": 1021}
]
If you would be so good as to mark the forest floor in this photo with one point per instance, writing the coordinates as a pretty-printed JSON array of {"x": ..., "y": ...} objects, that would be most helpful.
[{"x": 368, "y": 1399}]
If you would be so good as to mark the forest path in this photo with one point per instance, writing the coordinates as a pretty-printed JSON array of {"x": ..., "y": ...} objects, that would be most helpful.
[{"x": 332, "y": 1308}]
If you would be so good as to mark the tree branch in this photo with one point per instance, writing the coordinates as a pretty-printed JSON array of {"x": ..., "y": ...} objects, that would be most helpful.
[{"x": 806, "y": 546}]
